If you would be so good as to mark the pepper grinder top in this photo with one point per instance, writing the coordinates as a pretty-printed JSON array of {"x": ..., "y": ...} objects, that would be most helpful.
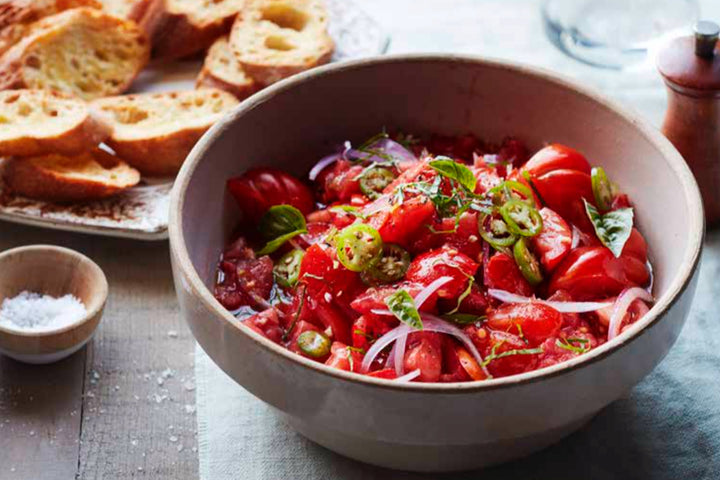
[{"x": 692, "y": 64}]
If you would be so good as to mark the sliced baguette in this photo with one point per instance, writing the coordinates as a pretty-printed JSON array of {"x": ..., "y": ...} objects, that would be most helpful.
[
  {"x": 154, "y": 132},
  {"x": 122, "y": 8},
  {"x": 83, "y": 51},
  {"x": 222, "y": 70},
  {"x": 273, "y": 39},
  {"x": 36, "y": 122},
  {"x": 180, "y": 28},
  {"x": 17, "y": 16},
  {"x": 58, "y": 178}
]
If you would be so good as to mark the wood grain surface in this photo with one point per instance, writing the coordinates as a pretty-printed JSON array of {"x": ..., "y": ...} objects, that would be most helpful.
[{"x": 124, "y": 407}]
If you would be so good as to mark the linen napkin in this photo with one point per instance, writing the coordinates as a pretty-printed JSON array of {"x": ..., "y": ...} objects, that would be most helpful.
[{"x": 669, "y": 426}]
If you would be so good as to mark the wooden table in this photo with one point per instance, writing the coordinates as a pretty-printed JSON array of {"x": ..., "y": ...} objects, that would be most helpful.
[{"x": 124, "y": 407}]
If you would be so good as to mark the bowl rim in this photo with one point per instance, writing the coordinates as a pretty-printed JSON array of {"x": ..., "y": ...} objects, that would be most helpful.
[
  {"x": 679, "y": 283},
  {"x": 89, "y": 315}
]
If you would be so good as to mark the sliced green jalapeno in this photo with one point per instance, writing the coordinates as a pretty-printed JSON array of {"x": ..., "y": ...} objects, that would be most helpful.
[
  {"x": 374, "y": 180},
  {"x": 287, "y": 269},
  {"x": 521, "y": 218},
  {"x": 512, "y": 190},
  {"x": 527, "y": 263},
  {"x": 314, "y": 344},
  {"x": 392, "y": 265},
  {"x": 494, "y": 230},
  {"x": 359, "y": 247},
  {"x": 602, "y": 188}
]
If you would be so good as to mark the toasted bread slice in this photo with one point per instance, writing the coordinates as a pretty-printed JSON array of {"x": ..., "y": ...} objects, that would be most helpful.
[
  {"x": 180, "y": 28},
  {"x": 17, "y": 16},
  {"x": 83, "y": 51},
  {"x": 36, "y": 122},
  {"x": 222, "y": 70},
  {"x": 122, "y": 8},
  {"x": 154, "y": 132},
  {"x": 273, "y": 39},
  {"x": 59, "y": 178}
]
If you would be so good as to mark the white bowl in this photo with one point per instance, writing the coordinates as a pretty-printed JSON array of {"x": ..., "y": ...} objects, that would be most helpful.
[{"x": 434, "y": 427}]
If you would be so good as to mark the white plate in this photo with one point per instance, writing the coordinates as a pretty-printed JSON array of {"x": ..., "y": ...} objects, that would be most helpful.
[{"x": 142, "y": 212}]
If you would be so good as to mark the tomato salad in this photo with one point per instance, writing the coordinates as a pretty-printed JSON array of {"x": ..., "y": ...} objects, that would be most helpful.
[{"x": 438, "y": 260}]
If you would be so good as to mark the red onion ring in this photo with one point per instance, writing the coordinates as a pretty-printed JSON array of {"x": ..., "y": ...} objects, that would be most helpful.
[
  {"x": 380, "y": 344},
  {"x": 431, "y": 323},
  {"x": 426, "y": 292},
  {"x": 410, "y": 376},
  {"x": 563, "y": 307},
  {"x": 622, "y": 304},
  {"x": 398, "y": 353}
]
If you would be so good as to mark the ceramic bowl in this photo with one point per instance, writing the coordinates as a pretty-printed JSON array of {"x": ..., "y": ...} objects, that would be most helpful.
[
  {"x": 53, "y": 271},
  {"x": 434, "y": 427}
]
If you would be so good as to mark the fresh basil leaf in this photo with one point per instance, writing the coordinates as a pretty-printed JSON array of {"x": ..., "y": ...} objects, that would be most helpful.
[
  {"x": 281, "y": 220},
  {"x": 613, "y": 229},
  {"x": 279, "y": 224},
  {"x": 447, "y": 167},
  {"x": 464, "y": 318},
  {"x": 402, "y": 305}
]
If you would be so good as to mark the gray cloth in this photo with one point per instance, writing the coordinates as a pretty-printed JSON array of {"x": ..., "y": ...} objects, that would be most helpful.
[{"x": 667, "y": 428}]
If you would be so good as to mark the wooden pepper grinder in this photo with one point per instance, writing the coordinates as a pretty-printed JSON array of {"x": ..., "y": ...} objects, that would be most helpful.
[{"x": 691, "y": 69}]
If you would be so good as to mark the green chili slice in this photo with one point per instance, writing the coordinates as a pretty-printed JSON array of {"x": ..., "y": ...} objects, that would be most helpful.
[
  {"x": 512, "y": 190},
  {"x": 602, "y": 188},
  {"x": 392, "y": 265},
  {"x": 374, "y": 180},
  {"x": 287, "y": 269},
  {"x": 314, "y": 344},
  {"x": 526, "y": 261},
  {"x": 521, "y": 218},
  {"x": 494, "y": 230},
  {"x": 359, "y": 247}
]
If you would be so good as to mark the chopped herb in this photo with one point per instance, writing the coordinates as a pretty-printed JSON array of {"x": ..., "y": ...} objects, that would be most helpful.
[
  {"x": 313, "y": 276},
  {"x": 508, "y": 353},
  {"x": 464, "y": 318},
  {"x": 567, "y": 344},
  {"x": 463, "y": 295},
  {"x": 402, "y": 305},
  {"x": 613, "y": 228}
]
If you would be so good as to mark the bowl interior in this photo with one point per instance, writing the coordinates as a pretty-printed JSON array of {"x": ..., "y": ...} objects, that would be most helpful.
[
  {"x": 53, "y": 271},
  {"x": 293, "y": 124}
]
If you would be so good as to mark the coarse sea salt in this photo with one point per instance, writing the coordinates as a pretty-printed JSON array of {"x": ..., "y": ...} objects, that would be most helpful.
[{"x": 34, "y": 312}]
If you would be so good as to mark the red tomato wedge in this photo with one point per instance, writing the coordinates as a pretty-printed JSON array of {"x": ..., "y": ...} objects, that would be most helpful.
[{"x": 555, "y": 240}]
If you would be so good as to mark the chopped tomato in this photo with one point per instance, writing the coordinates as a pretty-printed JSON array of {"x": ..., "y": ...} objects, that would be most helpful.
[
  {"x": 487, "y": 177},
  {"x": 563, "y": 191},
  {"x": 260, "y": 188},
  {"x": 267, "y": 324},
  {"x": 245, "y": 279},
  {"x": 534, "y": 321},
  {"x": 374, "y": 297},
  {"x": 594, "y": 273},
  {"x": 502, "y": 273},
  {"x": 445, "y": 261},
  {"x": 321, "y": 273},
  {"x": 424, "y": 352},
  {"x": 399, "y": 224},
  {"x": 300, "y": 327},
  {"x": 554, "y": 241},
  {"x": 345, "y": 358},
  {"x": 339, "y": 182},
  {"x": 556, "y": 157},
  {"x": 366, "y": 330},
  {"x": 514, "y": 361},
  {"x": 387, "y": 373}
]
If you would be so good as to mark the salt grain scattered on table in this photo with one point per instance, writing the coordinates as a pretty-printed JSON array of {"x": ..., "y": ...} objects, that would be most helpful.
[{"x": 34, "y": 312}]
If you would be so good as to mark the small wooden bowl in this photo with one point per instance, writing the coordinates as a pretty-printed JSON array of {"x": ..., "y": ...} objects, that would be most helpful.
[{"x": 53, "y": 271}]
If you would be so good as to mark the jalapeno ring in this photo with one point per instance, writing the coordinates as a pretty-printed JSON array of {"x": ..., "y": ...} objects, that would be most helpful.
[
  {"x": 527, "y": 263},
  {"x": 359, "y": 247},
  {"x": 287, "y": 270},
  {"x": 314, "y": 344},
  {"x": 522, "y": 219},
  {"x": 602, "y": 188}
]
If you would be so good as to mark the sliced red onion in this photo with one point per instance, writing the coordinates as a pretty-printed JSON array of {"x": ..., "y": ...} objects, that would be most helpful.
[
  {"x": 622, "y": 304},
  {"x": 575, "y": 237},
  {"x": 385, "y": 147},
  {"x": 425, "y": 293},
  {"x": 410, "y": 376},
  {"x": 398, "y": 353},
  {"x": 431, "y": 323},
  {"x": 378, "y": 205},
  {"x": 322, "y": 164},
  {"x": 380, "y": 344},
  {"x": 563, "y": 307}
]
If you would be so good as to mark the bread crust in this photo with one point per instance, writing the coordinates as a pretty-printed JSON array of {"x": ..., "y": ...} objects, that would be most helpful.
[
  {"x": 174, "y": 34},
  {"x": 163, "y": 154},
  {"x": 84, "y": 134},
  {"x": 209, "y": 77},
  {"x": 12, "y": 63},
  {"x": 33, "y": 178},
  {"x": 252, "y": 30}
]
